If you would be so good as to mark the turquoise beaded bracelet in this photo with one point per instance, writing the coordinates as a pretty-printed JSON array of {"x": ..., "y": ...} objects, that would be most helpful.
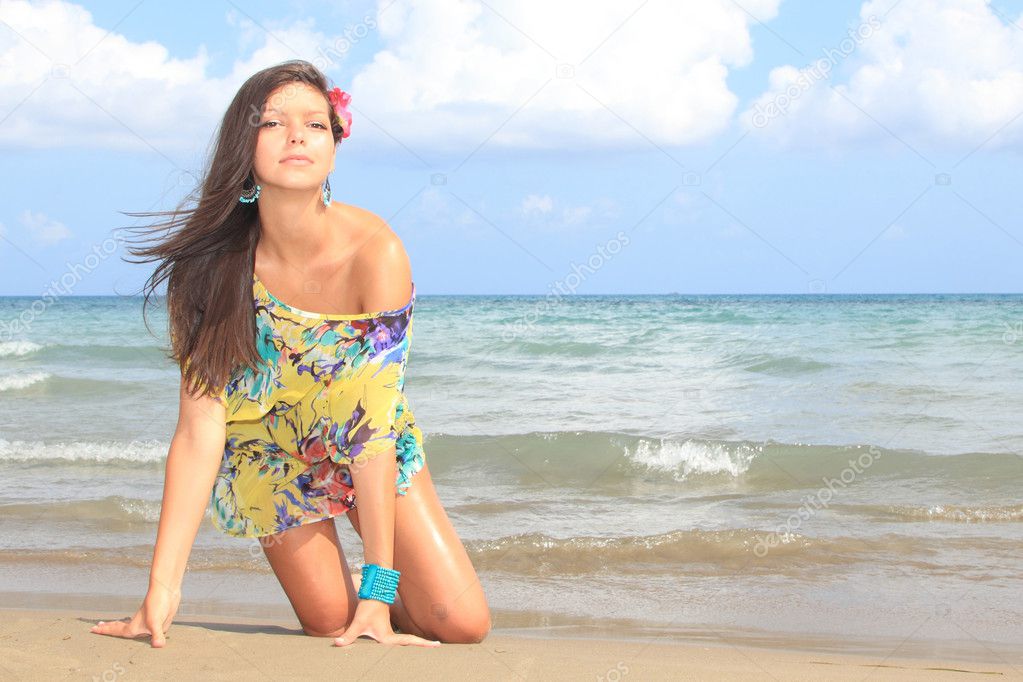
[{"x": 378, "y": 583}]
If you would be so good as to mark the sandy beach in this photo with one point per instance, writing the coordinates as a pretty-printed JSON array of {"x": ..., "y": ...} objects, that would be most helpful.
[{"x": 52, "y": 645}]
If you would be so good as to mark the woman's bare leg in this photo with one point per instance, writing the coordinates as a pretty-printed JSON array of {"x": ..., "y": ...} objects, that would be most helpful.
[
  {"x": 311, "y": 567},
  {"x": 439, "y": 593}
]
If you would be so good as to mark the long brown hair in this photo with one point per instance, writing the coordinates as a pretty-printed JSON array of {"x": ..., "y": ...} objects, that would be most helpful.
[{"x": 207, "y": 251}]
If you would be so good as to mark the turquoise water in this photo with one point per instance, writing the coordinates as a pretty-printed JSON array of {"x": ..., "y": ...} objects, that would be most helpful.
[{"x": 775, "y": 462}]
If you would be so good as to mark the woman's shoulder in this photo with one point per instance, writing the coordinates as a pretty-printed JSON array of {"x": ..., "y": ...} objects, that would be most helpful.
[
  {"x": 376, "y": 238},
  {"x": 380, "y": 262}
]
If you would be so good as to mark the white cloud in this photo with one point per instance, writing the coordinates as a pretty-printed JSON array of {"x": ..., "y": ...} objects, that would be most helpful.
[
  {"x": 894, "y": 232},
  {"x": 535, "y": 203},
  {"x": 543, "y": 211},
  {"x": 932, "y": 72},
  {"x": 440, "y": 211},
  {"x": 76, "y": 84},
  {"x": 43, "y": 229},
  {"x": 462, "y": 69},
  {"x": 450, "y": 75},
  {"x": 575, "y": 215}
]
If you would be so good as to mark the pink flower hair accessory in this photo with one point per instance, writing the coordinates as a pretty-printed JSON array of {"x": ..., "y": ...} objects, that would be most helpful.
[{"x": 339, "y": 100}]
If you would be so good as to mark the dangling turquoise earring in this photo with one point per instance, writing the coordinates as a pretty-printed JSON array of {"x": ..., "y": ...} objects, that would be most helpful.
[
  {"x": 326, "y": 192},
  {"x": 250, "y": 194}
]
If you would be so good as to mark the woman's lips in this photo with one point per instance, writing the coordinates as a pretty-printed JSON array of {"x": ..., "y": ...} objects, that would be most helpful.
[{"x": 297, "y": 161}]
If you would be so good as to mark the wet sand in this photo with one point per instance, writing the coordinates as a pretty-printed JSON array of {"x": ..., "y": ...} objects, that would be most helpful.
[{"x": 50, "y": 645}]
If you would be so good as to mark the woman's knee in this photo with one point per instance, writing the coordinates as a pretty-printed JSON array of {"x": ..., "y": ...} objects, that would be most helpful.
[
  {"x": 464, "y": 630},
  {"x": 323, "y": 626}
]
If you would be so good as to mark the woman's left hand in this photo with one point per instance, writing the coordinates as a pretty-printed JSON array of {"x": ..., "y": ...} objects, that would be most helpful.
[{"x": 373, "y": 618}]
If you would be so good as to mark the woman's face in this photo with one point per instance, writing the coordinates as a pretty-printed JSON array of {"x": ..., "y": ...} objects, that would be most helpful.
[{"x": 294, "y": 123}]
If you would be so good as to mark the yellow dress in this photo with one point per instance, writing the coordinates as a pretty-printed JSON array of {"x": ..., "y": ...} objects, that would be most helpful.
[{"x": 330, "y": 393}]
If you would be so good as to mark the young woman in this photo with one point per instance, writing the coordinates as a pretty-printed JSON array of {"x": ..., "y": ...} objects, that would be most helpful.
[{"x": 312, "y": 413}]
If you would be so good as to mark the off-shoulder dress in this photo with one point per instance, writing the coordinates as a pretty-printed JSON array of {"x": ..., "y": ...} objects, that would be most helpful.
[{"x": 330, "y": 392}]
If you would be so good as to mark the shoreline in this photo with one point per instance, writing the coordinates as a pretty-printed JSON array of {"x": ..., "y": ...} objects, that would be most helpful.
[
  {"x": 56, "y": 644},
  {"x": 256, "y": 599},
  {"x": 532, "y": 625}
]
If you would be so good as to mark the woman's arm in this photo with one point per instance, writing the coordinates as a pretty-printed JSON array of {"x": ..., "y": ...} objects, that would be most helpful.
[
  {"x": 373, "y": 477},
  {"x": 384, "y": 270},
  {"x": 196, "y": 452},
  {"x": 374, "y": 491},
  {"x": 193, "y": 461}
]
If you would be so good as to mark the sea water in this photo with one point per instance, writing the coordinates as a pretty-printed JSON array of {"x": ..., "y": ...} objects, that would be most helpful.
[{"x": 848, "y": 468}]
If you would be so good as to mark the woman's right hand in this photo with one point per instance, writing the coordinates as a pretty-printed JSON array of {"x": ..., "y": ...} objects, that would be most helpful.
[{"x": 153, "y": 617}]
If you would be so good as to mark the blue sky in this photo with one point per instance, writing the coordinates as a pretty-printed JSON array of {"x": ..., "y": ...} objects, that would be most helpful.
[{"x": 510, "y": 145}]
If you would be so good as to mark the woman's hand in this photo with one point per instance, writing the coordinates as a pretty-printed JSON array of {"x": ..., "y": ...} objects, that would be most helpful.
[
  {"x": 153, "y": 617},
  {"x": 373, "y": 618}
]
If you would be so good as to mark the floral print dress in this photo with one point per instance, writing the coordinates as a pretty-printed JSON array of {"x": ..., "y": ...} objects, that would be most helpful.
[{"x": 330, "y": 393}]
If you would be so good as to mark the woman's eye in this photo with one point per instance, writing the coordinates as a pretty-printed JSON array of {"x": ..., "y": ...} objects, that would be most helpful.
[{"x": 272, "y": 123}]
